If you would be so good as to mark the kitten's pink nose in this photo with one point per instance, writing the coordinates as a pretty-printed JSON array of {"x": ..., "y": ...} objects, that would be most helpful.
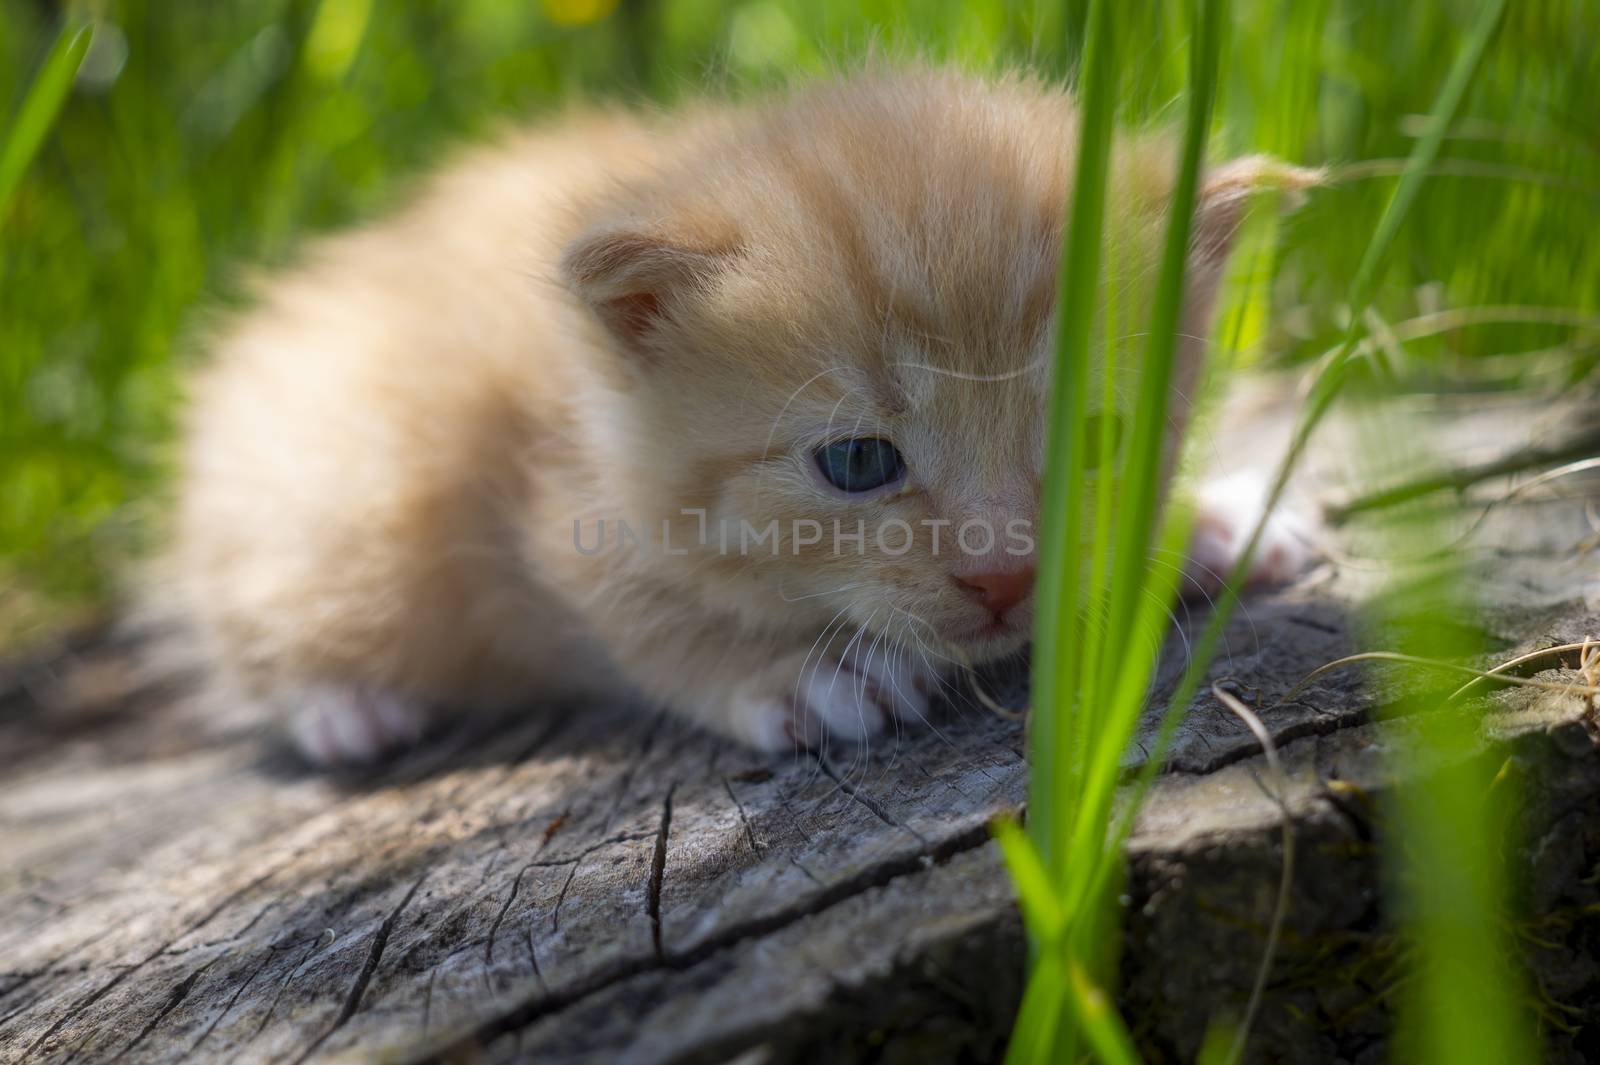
[{"x": 1000, "y": 590}]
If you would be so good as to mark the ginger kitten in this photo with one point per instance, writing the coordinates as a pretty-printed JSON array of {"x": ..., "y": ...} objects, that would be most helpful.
[{"x": 590, "y": 417}]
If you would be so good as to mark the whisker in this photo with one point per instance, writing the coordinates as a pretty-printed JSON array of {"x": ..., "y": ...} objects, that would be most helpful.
[
  {"x": 977, "y": 378},
  {"x": 815, "y": 595},
  {"x": 807, "y": 383}
]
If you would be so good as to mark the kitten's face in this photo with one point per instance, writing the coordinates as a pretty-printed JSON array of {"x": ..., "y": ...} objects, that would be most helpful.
[
  {"x": 842, "y": 325},
  {"x": 857, "y": 476}
]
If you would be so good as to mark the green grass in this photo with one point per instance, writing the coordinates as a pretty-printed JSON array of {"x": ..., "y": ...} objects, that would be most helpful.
[
  {"x": 39, "y": 107},
  {"x": 1089, "y": 686},
  {"x": 1465, "y": 998},
  {"x": 191, "y": 145},
  {"x": 143, "y": 166},
  {"x": 1089, "y": 690}
]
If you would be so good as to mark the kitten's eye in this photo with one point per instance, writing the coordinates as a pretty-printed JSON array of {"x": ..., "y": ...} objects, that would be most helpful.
[{"x": 860, "y": 464}]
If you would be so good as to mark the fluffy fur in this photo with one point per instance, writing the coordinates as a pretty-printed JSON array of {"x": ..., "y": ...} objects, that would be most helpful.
[{"x": 623, "y": 318}]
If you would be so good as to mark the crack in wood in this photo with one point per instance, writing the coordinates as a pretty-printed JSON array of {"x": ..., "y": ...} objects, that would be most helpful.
[
  {"x": 941, "y": 782},
  {"x": 268, "y": 908},
  {"x": 1325, "y": 723},
  {"x": 533, "y": 960},
  {"x": 358, "y": 990},
  {"x": 558, "y": 724},
  {"x": 427, "y": 1000},
  {"x": 494, "y": 929},
  {"x": 867, "y": 801},
  {"x": 578, "y": 856},
  {"x": 795, "y": 820},
  {"x": 174, "y": 1000},
  {"x": 106, "y": 988},
  {"x": 658, "y": 871},
  {"x": 809, "y": 875},
  {"x": 561, "y": 896},
  {"x": 272, "y": 1007},
  {"x": 518, "y": 1017},
  {"x": 625, "y": 780},
  {"x": 227, "y": 1007},
  {"x": 749, "y": 829},
  {"x": 50, "y": 968},
  {"x": 495, "y": 854}
]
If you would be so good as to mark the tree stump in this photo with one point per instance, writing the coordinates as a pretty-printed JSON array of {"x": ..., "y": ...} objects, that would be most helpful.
[{"x": 595, "y": 883}]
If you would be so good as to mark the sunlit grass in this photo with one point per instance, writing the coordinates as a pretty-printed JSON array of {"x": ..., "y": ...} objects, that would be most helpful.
[
  {"x": 1086, "y": 707},
  {"x": 40, "y": 105},
  {"x": 1464, "y": 997},
  {"x": 1088, "y": 692},
  {"x": 187, "y": 146}
]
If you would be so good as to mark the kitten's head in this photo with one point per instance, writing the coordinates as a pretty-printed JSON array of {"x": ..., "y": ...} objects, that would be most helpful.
[{"x": 837, "y": 318}]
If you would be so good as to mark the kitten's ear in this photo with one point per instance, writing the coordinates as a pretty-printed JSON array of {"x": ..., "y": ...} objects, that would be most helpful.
[
  {"x": 630, "y": 275},
  {"x": 1225, "y": 193}
]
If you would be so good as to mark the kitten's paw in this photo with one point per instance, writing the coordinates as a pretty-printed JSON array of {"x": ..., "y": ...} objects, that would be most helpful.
[
  {"x": 1226, "y": 513},
  {"x": 810, "y": 701},
  {"x": 905, "y": 685},
  {"x": 338, "y": 725}
]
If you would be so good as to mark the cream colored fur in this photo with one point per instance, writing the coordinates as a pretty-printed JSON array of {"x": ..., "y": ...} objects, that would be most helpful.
[{"x": 623, "y": 317}]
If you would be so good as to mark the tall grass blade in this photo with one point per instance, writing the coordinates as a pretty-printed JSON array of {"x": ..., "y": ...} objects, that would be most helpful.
[
  {"x": 1077, "y": 741},
  {"x": 1096, "y": 1016},
  {"x": 1328, "y": 384},
  {"x": 1057, "y": 659},
  {"x": 39, "y": 109},
  {"x": 1463, "y": 999},
  {"x": 1140, "y": 594},
  {"x": 1141, "y": 473},
  {"x": 1038, "y": 1026},
  {"x": 1038, "y": 896}
]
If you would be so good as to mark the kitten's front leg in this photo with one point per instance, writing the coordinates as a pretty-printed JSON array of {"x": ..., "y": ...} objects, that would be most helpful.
[
  {"x": 350, "y": 725},
  {"x": 782, "y": 695},
  {"x": 847, "y": 694}
]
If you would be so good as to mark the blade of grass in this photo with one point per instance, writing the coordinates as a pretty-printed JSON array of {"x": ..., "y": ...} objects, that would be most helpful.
[
  {"x": 1056, "y": 667},
  {"x": 1033, "y": 1037},
  {"x": 1138, "y": 656},
  {"x": 1040, "y": 909},
  {"x": 1130, "y": 607},
  {"x": 1091, "y": 879},
  {"x": 1104, "y": 504},
  {"x": 1059, "y": 737},
  {"x": 1142, "y": 467},
  {"x": 1084, "y": 740},
  {"x": 1097, "y": 1018},
  {"x": 1464, "y": 999},
  {"x": 39, "y": 109},
  {"x": 1327, "y": 386}
]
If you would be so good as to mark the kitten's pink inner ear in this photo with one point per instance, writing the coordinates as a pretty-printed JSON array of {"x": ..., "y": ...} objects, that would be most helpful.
[
  {"x": 630, "y": 276},
  {"x": 635, "y": 314},
  {"x": 1227, "y": 191}
]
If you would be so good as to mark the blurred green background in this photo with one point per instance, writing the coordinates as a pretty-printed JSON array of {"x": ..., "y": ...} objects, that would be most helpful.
[{"x": 200, "y": 138}]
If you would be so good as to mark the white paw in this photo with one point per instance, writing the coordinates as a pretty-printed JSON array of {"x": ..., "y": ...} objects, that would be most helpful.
[
  {"x": 806, "y": 702},
  {"x": 903, "y": 682},
  {"x": 337, "y": 725},
  {"x": 1226, "y": 512}
]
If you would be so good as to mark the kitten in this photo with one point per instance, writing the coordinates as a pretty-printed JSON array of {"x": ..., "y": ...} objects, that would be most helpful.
[{"x": 588, "y": 418}]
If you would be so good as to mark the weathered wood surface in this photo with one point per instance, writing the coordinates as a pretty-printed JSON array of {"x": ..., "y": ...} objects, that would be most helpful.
[{"x": 602, "y": 884}]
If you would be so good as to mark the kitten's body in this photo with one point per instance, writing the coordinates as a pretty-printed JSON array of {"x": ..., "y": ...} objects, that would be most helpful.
[{"x": 622, "y": 318}]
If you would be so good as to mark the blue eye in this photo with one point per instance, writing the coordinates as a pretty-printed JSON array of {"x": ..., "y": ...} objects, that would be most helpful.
[{"x": 860, "y": 464}]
